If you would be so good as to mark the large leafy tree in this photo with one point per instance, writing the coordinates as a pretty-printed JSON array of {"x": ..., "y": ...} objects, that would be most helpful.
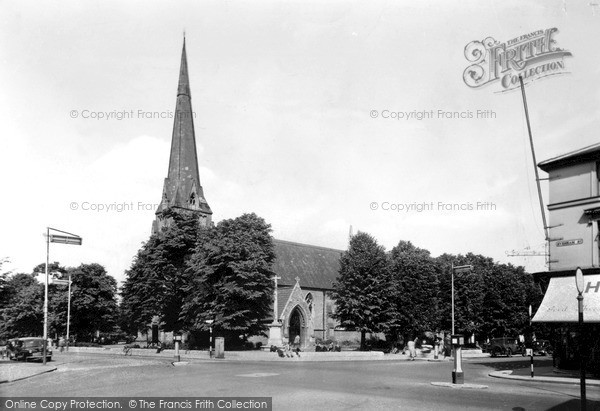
[
  {"x": 21, "y": 312},
  {"x": 491, "y": 301},
  {"x": 57, "y": 297},
  {"x": 415, "y": 276},
  {"x": 155, "y": 283},
  {"x": 230, "y": 277},
  {"x": 363, "y": 289},
  {"x": 509, "y": 292},
  {"x": 469, "y": 292},
  {"x": 93, "y": 301}
]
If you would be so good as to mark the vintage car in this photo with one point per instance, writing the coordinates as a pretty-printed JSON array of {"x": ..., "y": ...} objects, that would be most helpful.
[
  {"x": 29, "y": 348},
  {"x": 504, "y": 346}
]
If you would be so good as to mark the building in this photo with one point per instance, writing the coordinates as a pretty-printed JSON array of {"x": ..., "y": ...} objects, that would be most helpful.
[
  {"x": 305, "y": 272},
  {"x": 182, "y": 190},
  {"x": 574, "y": 209},
  {"x": 574, "y": 242}
]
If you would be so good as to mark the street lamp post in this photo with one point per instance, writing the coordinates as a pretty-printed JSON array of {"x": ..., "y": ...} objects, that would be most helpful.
[
  {"x": 458, "y": 269},
  {"x": 452, "y": 333},
  {"x": 46, "y": 295},
  {"x": 579, "y": 284},
  {"x": 67, "y": 238},
  {"x": 68, "y": 312}
]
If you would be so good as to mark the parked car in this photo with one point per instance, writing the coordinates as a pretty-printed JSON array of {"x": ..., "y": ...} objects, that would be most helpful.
[
  {"x": 504, "y": 346},
  {"x": 29, "y": 348}
]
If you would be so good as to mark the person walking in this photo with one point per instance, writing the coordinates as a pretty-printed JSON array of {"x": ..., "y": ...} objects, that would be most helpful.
[{"x": 411, "y": 349}]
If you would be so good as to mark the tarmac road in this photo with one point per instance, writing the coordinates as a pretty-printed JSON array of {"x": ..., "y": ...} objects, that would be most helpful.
[{"x": 296, "y": 385}]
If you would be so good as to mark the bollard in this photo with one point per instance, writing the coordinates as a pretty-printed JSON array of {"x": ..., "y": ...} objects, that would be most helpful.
[{"x": 177, "y": 338}]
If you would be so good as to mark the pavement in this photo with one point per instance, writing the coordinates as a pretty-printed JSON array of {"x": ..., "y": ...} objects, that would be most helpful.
[
  {"x": 545, "y": 374},
  {"x": 14, "y": 371},
  {"x": 257, "y": 355}
]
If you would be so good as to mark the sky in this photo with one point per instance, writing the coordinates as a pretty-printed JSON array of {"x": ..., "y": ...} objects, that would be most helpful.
[{"x": 296, "y": 116}]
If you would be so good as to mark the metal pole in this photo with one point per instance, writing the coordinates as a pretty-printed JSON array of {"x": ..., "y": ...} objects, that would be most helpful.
[
  {"x": 46, "y": 295},
  {"x": 69, "y": 311},
  {"x": 537, "y": 177},
  {"x": 531, "y": 341},
  {"x": 452, "y": 298},
  {"x": 581, "y": 353},
  {"x": 210, "y": 343}
]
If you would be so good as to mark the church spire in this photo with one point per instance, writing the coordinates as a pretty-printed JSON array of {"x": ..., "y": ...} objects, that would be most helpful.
[
  {"x": 184, "y": 82},
  {"x": 182, "y": 190}
]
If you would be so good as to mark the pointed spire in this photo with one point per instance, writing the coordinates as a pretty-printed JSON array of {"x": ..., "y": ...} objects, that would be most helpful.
[
  {"x": 182, "y": 188},
  {"x": 184, "y": 82}
]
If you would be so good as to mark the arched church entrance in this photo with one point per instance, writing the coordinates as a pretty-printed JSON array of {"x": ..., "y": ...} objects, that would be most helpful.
[{"x": 296, "y": 326}]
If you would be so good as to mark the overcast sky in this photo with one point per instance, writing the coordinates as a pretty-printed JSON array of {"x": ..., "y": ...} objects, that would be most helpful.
[{"x": 290, "y": 101}]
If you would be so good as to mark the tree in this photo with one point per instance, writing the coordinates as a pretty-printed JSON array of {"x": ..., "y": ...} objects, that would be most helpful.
[
  {"x": 469, "y": 292},
  {"x": 21, "y": 313},
  {"x": 363, "y": 289},
  {"x": 93, "y": 301},
  {"x": 155, "y": 282},
  {"x": 491, "y": 301},
  {"x": 230, "y": 277},
  {"x": 415, "y": 276},
  {"x": 509, "y": 292}
]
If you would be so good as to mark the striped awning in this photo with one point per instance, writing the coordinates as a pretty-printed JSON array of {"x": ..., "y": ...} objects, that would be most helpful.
[{"x": 560, "y": 301}]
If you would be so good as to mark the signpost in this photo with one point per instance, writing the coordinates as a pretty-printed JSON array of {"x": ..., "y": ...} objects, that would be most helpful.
[
  {"x": 67, "y": 238},
  {"x": 579, "y": 284}
]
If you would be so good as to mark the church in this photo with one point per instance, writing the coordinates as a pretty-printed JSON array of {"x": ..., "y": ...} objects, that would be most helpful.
[{"x": 304, "y": 273}]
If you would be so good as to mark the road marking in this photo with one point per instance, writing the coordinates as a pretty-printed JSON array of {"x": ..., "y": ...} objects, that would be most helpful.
[{"x": 258, "y": 374}]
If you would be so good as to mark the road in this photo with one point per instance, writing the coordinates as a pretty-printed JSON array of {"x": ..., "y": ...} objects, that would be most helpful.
[{"x": 297, "y": 385}]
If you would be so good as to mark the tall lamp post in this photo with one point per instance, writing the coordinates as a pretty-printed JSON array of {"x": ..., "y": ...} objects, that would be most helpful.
[
  {"x": 458, "y": 269},
  {"x": 63, "y": 238},
  {"x": 579, "y": 284}
]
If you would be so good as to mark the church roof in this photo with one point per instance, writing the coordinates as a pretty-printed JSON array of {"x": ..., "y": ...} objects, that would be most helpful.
[{"x": 317, "y": 267}]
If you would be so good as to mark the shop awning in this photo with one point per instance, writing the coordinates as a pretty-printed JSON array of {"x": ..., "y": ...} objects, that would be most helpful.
[{"x": 560, "y": 302}]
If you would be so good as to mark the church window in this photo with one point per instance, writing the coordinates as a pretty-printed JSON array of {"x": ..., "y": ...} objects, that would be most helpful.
[{"x": 193, "y": 199}]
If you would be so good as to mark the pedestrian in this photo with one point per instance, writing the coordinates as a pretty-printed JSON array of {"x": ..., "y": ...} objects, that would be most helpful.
[
  {"x": 411, "y": 349},
  {"x": 288, "y": 350}
]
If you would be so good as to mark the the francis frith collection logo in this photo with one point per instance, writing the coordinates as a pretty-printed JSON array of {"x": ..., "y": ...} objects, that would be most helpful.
[{"x": 532, "y": 56}]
